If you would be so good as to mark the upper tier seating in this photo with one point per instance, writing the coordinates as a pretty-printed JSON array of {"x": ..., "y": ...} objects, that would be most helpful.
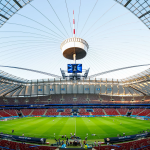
[
  {"x": 80, "y": 99},
  {"x": 111, "y": 111}
]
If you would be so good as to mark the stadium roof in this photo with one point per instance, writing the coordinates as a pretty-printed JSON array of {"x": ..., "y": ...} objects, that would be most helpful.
[{"x": 140, "y": 8}]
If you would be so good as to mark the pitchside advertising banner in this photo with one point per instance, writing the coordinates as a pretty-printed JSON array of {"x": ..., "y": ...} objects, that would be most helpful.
[
  {"x": 23, "y": 138},
  {"x": 126, "y": 138}
]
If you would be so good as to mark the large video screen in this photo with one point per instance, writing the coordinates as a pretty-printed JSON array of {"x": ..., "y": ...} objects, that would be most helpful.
[{"x": 74, "y": 68}]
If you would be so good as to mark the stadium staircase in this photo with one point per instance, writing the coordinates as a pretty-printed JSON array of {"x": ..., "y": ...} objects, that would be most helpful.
[
  {"x": 21, "y": 112},
  {"x": 31, "y": 112},
  {"x": 127, "y": 112},
  {"x": 16, "y": 112},
  {"x": 7, "y": 113},
  {"x": 118, "y": 112},
  {"x": 45, "y": 112},
  {"x": 11, "y": 112},
  {"x": 59, "y": 113},
  {"x": 141, "y": 111},
  {"x": 104, "y": 111},
  {"x": 148, "y": 114}
]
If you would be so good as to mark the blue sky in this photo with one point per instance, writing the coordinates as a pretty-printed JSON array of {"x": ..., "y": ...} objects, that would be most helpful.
[{"x": 32, "y": 37}]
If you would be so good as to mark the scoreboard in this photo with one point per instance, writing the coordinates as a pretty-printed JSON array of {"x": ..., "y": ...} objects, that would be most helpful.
[{"x": 74, "y": 68}]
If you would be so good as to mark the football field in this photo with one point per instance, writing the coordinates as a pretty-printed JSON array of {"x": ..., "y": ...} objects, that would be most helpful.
[{"x": 45, "y": 127}]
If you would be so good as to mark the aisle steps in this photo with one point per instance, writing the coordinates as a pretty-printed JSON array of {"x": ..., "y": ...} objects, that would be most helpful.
[
  {"x": 142, "y": 111},
  {"x": 21, "y": 112},
  {"x": 118, "y": 112},
  {"x": 104, "y": 111},
  {"x": 45, "y": 112},
  {"x": 7, "y": 113},
  {"x": 31, "y": 111},
  {"x": 16, "y": 112},
  {"x": 127, "y": 112}
]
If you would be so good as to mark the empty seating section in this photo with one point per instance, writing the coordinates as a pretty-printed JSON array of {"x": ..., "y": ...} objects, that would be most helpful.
[
  {"x": 134, "y": 145},
  {"x": 83, "y": 112},
  {"x": 111, "y": 111},
  {"x": 11, "y": 112},
  {"x": 66, "y": 112},
  {"x": 38, "y": 112},
  {"x": 4, "y": 114},
  {"x": 97, "y": 111},
  {"x": 20, "y": 146},
  {"x": 80, "y": 99},
  {"x": 52, "y": 112},
  {"x": 68, "y": 99},
  {"x": 122, "y": 111},
  {"x": 137, "y": 111},
  {"x": 143, "y": 144},
  {"x": 146, "y": 112},
  {"x": 26, "y": 112}
]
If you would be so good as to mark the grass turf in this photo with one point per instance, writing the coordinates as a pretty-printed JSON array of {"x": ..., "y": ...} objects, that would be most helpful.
[{"x": 103, "y": 127}]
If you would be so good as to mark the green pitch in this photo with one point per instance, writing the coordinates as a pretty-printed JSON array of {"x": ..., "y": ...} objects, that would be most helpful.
[{"x": 45, "y": 127}]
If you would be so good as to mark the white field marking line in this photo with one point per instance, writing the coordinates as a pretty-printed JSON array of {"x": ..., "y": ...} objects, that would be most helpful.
[{"x": 75, "y": 126}]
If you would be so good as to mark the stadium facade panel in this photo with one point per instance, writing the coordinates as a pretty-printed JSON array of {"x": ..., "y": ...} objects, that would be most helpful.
[{"x": 34, "y": 89}]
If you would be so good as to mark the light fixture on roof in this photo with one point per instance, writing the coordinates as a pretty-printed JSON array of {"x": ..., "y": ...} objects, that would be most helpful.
[
  {"x": 5, "y": 100},
  {"x": 74, "y": 99},
  {"x": 100, "y": 99},
  {"x": 143, "y": 99},
  {"x": 87, "y": 99},
  {"x": 26, "y": 100},
  {"x": 112, "y": 99},
  {"x": 122, "y": 99},
  {"x": 37, "y": 100},
  {"x": 62, "y": 99},
  {"x": 49, "y": 100},
  {"x": 16, "y": 101}
]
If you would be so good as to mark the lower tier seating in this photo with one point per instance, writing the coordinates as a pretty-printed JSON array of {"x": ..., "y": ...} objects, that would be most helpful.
[
  {"x": 4, "y": 144},
  {"x": 98, "y": 111},
  {"x": 111, "y": 111},
  {"x": 143, "y": 144}
]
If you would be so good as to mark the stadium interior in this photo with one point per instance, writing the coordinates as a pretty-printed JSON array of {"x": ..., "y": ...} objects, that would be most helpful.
[{"x": 36, "y": 114}]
